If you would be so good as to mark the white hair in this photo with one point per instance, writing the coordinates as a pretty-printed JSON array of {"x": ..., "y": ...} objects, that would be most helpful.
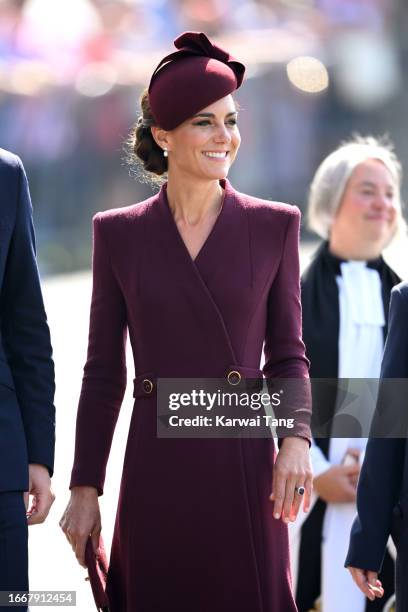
[{"x": 329, "y": 182}]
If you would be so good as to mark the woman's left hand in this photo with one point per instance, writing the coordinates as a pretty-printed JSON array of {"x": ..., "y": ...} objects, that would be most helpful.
[{"x": 292, "y": 469}]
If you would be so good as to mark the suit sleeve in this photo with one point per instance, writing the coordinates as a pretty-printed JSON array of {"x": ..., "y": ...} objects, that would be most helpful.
[
  {"x": 380, "y": 480},
  {"x": 104, "y": 380},
  {"x": 26, "y": 335},
  {"x": 284, "y": 349}
]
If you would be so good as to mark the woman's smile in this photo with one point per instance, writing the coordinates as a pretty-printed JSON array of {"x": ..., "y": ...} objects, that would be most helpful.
[{"x": 216, "y": 155}]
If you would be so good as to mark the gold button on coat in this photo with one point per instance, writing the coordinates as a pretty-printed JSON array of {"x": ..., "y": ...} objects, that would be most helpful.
[{"x": 147, "y": 385}]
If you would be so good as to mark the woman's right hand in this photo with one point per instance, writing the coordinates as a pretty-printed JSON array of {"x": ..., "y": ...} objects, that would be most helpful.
[{"x": 81, "y": 519}]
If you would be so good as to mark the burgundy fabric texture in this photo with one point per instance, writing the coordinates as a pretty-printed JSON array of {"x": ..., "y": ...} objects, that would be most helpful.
[
  {"x": 194, "y": 528},
  {"x": 97, "y": 564},
  {"x": 191, "y": 78}
]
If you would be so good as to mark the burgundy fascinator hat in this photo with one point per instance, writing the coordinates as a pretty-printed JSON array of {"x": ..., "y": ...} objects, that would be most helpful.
[{"x": 191, "y": 78}]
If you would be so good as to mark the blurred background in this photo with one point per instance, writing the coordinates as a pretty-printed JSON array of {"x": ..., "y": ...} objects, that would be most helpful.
[{"x": 71, "y": 73}]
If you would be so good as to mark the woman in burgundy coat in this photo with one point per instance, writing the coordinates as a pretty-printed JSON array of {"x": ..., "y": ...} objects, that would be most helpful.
[{"x": 201, "y": 276}]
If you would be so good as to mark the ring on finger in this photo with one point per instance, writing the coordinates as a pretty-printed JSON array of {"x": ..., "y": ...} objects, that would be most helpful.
[{"x": 300, "y": 490}]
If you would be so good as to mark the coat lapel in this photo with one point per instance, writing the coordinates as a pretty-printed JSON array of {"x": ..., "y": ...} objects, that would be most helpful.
[{"x": 224, "y": 258}]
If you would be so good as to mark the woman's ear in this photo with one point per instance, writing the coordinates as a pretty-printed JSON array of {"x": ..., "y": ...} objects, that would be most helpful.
[{"x": 160, "y": 136}]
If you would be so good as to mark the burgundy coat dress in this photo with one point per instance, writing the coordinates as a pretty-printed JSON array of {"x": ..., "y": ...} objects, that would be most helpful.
[{"x": 194, "y": 529}]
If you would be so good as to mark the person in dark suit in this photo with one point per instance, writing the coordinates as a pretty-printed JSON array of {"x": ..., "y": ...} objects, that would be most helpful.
[
  {"x": 203, "y": 277},
  {"x": 27, "y": 415},
  {"x": 382, "y": 495}
]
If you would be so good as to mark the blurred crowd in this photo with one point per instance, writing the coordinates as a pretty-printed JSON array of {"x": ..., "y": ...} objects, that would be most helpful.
[{"x": 71, "y": 73}]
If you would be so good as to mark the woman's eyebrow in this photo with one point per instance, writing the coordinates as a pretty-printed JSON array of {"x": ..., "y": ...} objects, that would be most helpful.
[
  {"x": 212, "y": 114},
  {"x": 371, "y": 184},
  {"x": 367, "y": 183}
]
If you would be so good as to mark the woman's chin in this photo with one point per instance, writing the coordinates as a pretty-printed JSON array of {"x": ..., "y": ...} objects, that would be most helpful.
[
  {"x": 383, "y": 234},
  {"x": 217, "y": 174}
]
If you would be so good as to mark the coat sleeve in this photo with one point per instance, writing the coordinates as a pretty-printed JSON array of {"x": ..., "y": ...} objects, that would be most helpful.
[
  {"x": 26, "y": 335},
  {"x": 104, "y": 380},
  {"x": 284, "y": 349},
  {"x": 381, "y": 474}
]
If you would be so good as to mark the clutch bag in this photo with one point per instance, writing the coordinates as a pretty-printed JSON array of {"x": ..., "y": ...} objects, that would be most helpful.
[{"x": 97, "y": 564}]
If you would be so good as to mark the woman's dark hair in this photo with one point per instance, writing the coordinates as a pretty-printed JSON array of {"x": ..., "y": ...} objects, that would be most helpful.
[{"x": 142, "y": 149}]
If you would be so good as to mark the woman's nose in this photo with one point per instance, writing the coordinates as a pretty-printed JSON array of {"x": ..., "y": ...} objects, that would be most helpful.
[
  {"x": 222, "y": 134},
  {"x": 382, "y": 200}
]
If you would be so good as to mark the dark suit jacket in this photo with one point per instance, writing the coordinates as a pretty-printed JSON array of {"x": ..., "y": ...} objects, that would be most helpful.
[
  {"x": 27, "y": 415},
  {"x": 382, "y": 500}
]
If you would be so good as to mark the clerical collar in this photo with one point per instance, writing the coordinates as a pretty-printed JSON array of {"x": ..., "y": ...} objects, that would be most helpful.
[{"x": 334, "y": 262}]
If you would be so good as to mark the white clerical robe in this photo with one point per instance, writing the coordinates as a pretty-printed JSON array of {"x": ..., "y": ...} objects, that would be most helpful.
[{"x": 360, "y": 352}]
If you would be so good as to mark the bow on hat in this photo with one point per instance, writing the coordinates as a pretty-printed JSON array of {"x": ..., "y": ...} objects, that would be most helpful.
[{"x": 190, "y": 44}]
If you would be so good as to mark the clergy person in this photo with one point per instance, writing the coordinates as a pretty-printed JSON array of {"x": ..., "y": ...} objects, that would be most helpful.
[{"x": 355, "y": 207}]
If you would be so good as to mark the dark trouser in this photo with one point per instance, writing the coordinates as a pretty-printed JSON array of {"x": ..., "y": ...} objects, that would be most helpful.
[{"x": 13, "y": 545}]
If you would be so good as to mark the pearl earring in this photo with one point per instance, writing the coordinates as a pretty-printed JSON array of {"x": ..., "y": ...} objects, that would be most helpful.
[{"x": 165, "y": 152}]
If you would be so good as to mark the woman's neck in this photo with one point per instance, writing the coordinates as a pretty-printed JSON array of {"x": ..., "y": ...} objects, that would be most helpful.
[{"x": 191, "y": 200}]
